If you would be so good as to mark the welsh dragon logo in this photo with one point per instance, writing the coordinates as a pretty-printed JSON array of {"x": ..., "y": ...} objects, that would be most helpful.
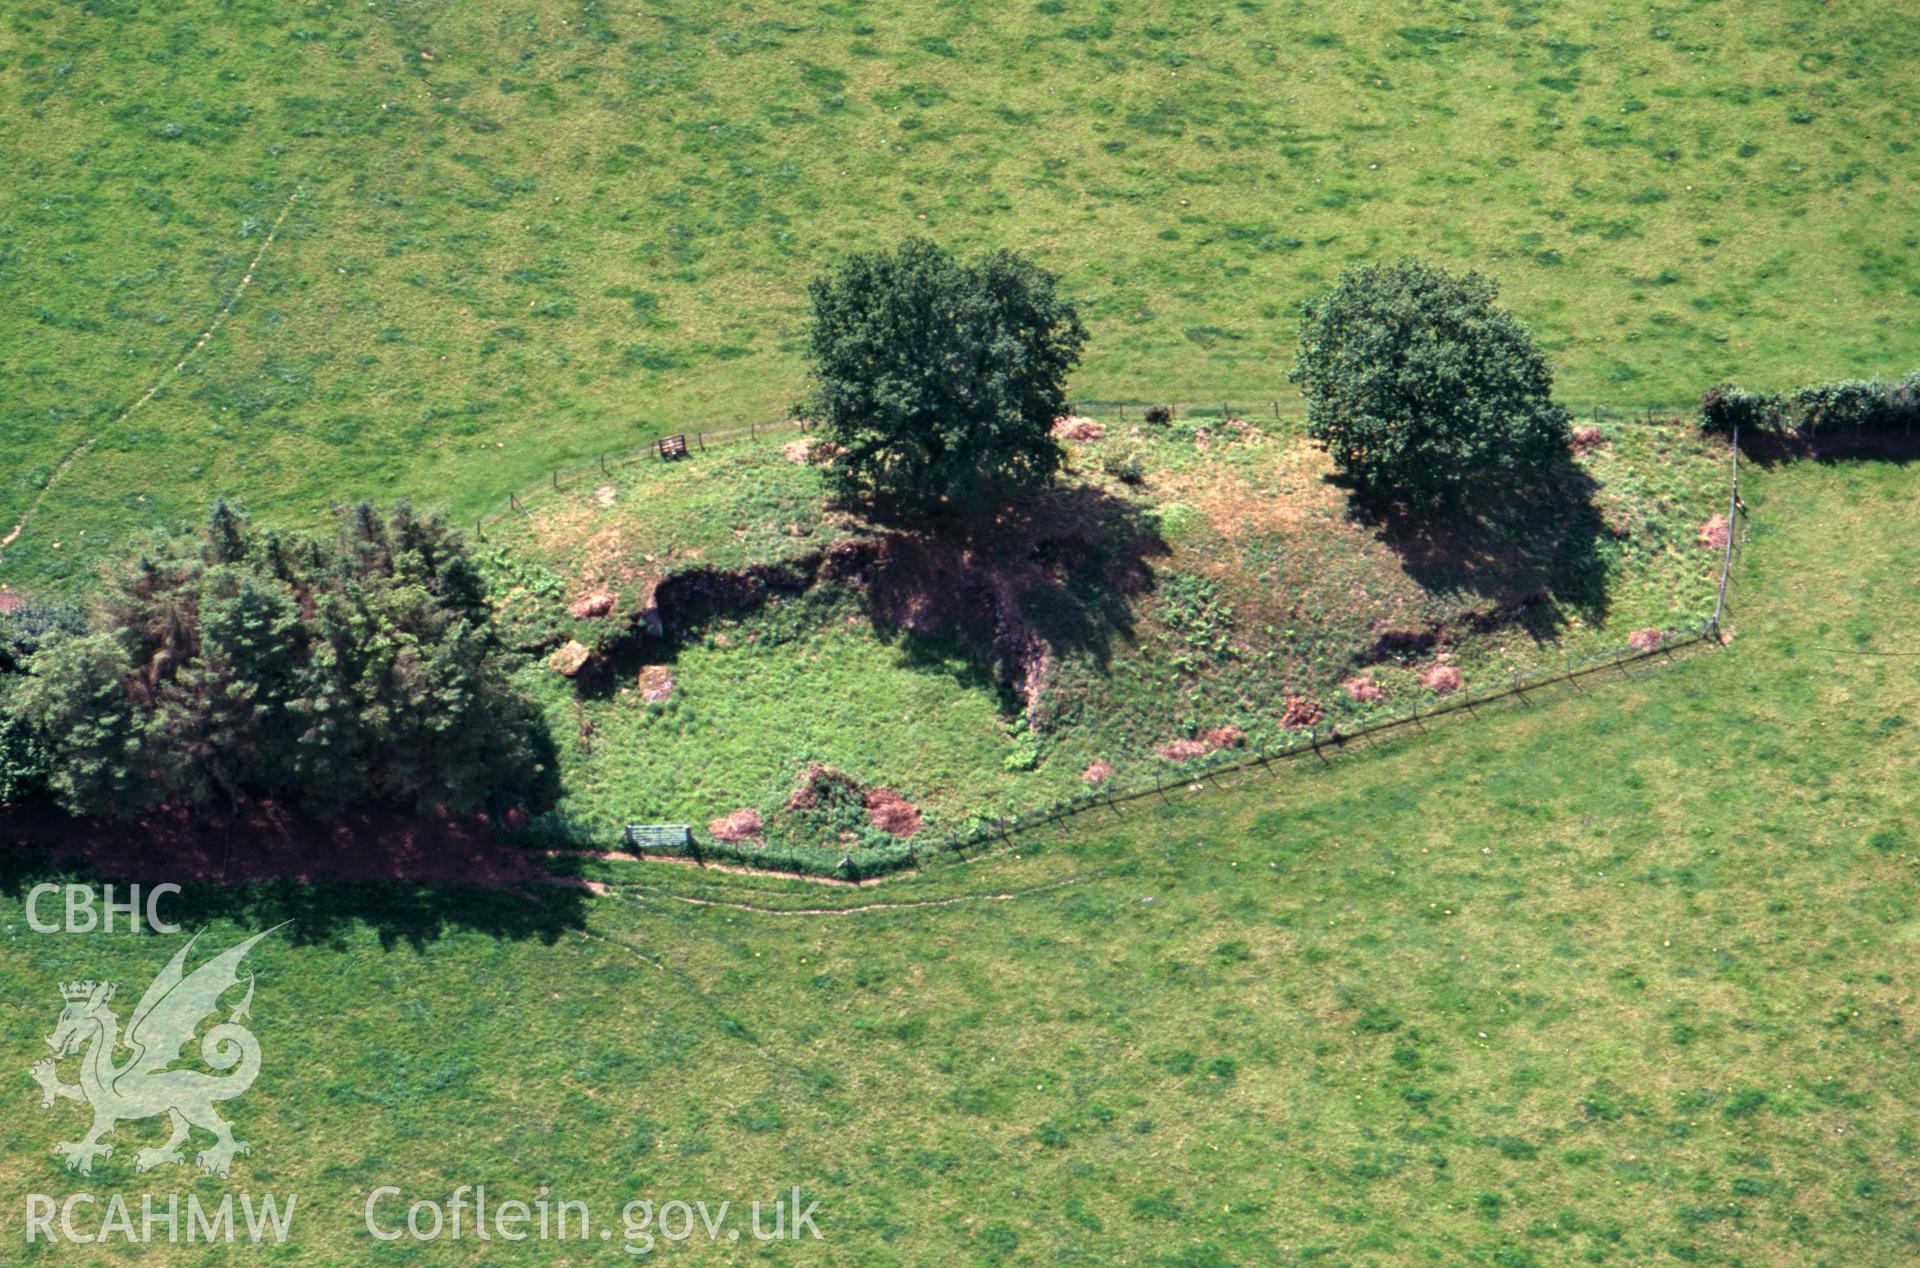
[{"x": 145, "y": 1086}]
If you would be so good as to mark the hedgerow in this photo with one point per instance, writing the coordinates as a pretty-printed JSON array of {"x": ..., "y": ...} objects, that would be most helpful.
[{"x": 1861, "y": 405}]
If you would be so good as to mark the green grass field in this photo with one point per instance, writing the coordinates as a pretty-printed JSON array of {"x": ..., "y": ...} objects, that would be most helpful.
[
  {"x": 1622, "y": 978},
  {"x": 532, "y": 231}
]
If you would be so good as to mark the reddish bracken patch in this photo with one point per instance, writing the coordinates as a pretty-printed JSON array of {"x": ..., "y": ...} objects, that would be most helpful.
[
  {"x": 1714, "y": 533},
  {"x": 1301, "y": 713},
  {"x": 1097, "y": 773},
  {"x": 1228, "y": 736},
  {"x": 1441, "y": 679},
  {"x": 1073, "y": 427},
  {"x": 592, "y": 605},
  {"x": 9, "y": 601},
  {"x": 1587, "y": 439},
  {"x": 893, "y": 814},
  {"x": 1183, "y": 750},
  {"x": 1646, "y": 640},
  {"x": 1363, "y": 690},
  {"x": 656, "y": 683},
  {"x": 741, "y": 825},
  {"x": 806, "y": 786}
]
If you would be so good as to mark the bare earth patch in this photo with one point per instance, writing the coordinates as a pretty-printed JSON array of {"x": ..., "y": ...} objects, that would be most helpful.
[
  {"x": 893, "y": 814},
  {"x": 605, "y": 495},
  {"x": 1097, "y": 773},
  {"x": 1714, "y": 533},
  {"x": 1074, "y": 427},
  {"x": 1183, "y": 750},
  {"x": 1441, "y": 680},
  {"x": 1228, "y": 736},
  {"x": 1587, "y": 439},
  {"x": 1646, "y": 640},
  {"x": 1290, "y": 491},
  {"x": 741, "y": 825},
  {"x": 809, "y": 450},
  {"x": 9, "y": 601}
]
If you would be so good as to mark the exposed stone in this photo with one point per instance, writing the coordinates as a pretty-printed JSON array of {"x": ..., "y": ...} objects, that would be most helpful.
[
  {"x": 592, "y": 605},
  {"x": 656, "y": 683},
  {"x": 570, "y": 659}
]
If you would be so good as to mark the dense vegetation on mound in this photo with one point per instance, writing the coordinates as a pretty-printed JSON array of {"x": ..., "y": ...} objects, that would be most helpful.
[
  {"x": 1621, "y": 979},
  {"x": 536, "y": 229},
  {"x": 1185, "y": 586}
]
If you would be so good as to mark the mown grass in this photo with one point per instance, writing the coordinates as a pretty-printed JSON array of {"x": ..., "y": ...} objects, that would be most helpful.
[
  {"x": 538, "y": 230},
  {"x": 1622, "y": 978}
]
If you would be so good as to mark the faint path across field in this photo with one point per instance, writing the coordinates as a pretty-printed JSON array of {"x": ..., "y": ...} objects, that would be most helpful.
[{"x": 219, "y": 319}]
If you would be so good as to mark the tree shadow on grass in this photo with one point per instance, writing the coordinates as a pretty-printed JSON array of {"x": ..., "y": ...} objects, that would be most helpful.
[
  {"x": 1053, "y": 574},
  {"x": 1008, "y": 590},
  {"x": 411, "y": 880},
  {"x": 1530, "y": 555},
  {"x": 1766, "y": 449}
]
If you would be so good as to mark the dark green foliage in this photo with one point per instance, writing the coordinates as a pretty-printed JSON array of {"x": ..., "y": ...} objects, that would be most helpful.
[
  {"x": 24, "y": 630},
  {"x": 1422, "y": 389},
  {"x": 1161, "y": 414},
  {"x": 23, "y": 758},
  {"x": 358, "y": 668},
  {"x": 1861, "y": 405},
  {"x": 829, "y": 811},
  {"x": 27, "y": 628},
  {"x": 940, "y": 379},
  {"x": 1724, "y": 407}
]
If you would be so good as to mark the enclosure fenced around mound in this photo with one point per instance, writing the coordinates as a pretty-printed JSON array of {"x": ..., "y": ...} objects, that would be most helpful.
[
  {"x": 572, "y": 471},
  {"x": 984, "y": 834}
]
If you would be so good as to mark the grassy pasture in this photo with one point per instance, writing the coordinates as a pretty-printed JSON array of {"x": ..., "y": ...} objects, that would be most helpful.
[
  {"x": 530, "y": 231},
  {"x": 1624, "y": 978}
]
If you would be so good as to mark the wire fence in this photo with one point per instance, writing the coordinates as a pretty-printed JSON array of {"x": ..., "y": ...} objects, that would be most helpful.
[
  {"x": 1313, "y": 743},
  {"x": 572, "y": 472},
  {"x": 1316, "y": 743},
  {"x": 577, "y": 471},
  {"x": 1288, "y": 406}
]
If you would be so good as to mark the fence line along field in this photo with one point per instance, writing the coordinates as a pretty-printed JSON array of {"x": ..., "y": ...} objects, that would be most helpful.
[{"x": 529, "y": 228}]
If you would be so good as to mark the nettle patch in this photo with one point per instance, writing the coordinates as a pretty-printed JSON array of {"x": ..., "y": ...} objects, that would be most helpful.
[{"x": 1198, "y": 622}]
